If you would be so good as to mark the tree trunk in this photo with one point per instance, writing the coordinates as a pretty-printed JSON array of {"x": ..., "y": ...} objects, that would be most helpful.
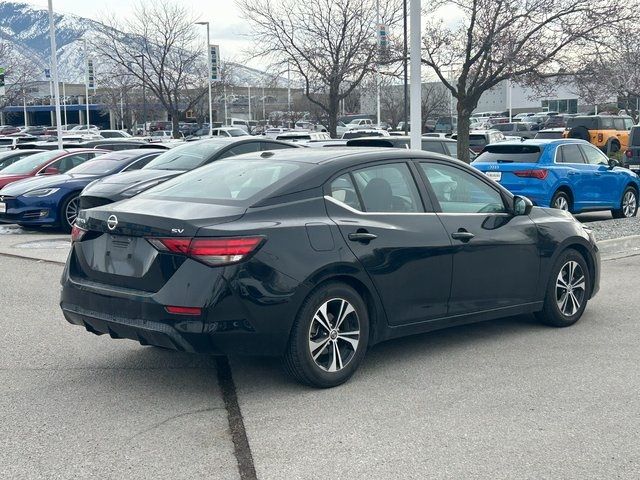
[
  {"x": 464, "y": 114},
  {"x": 332, "y": 111},
  {"x": 175, "y": 129}
]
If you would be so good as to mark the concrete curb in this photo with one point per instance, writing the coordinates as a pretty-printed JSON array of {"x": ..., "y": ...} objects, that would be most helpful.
[{"x": 619, "y": 247}]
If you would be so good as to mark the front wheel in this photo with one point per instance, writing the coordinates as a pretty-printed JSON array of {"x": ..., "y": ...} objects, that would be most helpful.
[
  {"x": 69, "y": 212},
  {"x": 567, "y": 291},
  {"x": 628, "y": 204},
  {"x": 329, "y": 337}
]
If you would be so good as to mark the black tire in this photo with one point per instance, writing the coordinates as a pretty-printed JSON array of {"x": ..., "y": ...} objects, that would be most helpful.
[
  {"x": 552, "y": 313},
  {"x": 561, "y": 198},
  {"x": 64, "y": 223},
  {"x": 628, "y": 204},
  {"x": 614, "y": 146},
  {"x": 298, "y": 359},
  {"x": 581, "y": 133}
]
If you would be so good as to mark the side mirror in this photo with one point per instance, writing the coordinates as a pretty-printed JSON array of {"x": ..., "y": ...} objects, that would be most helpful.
[
  {"x": 51, "y": 171},
  {"x": 522, "y": 205},
  {"x": 613, "y": 163}
]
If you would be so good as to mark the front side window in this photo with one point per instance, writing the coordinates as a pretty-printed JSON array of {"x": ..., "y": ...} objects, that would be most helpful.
[
  {"x": 570, "y": 154},
  {"x": 343, "y": 190},
  {"x": 458, "y": 191},
  {"x": 388, "y": 189},
  {"x": 594, "y": 156},
  {"x": 241, "y": 149}
]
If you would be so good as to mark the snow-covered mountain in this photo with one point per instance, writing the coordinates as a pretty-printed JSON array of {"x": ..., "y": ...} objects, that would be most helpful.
[{"x": 26, "y": 28}]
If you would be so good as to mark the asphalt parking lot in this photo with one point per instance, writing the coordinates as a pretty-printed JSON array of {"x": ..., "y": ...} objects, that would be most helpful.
[{"x": 504, "y": 399}]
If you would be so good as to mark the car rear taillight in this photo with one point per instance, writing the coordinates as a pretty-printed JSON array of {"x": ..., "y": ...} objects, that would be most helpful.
[
  {"x": 183, "y": 310},
  {"x": 77, "y": 233},
  {"x": 600, "y": 138},
  {"x": 538, "y": 173},
  {"x": 211, "y": 251},
  {"x": 628, "y": 154}
]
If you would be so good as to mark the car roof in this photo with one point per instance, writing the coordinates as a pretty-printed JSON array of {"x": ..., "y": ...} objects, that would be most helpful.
[{"x": 543, "y": 141}]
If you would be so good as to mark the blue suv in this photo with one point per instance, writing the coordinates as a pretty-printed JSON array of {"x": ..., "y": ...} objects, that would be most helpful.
[{"x": 567, "y": 174}]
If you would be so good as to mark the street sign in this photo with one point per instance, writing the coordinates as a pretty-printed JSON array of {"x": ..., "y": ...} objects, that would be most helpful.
[
  {"x": 383, "y": 40},
  {"x": 90, "y": 78},
  {"x": 2, "y": 92},
  {"x": 47, "y": 73},
  {"x": 214, "y": 52}
]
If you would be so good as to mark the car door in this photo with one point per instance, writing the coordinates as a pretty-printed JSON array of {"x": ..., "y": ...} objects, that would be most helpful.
[
  {"x": 495, "y": 254},
  {"x": 397, "y": 238},
  {"x": 605, "y": 185},
  {"x": 577, "y": 173}
]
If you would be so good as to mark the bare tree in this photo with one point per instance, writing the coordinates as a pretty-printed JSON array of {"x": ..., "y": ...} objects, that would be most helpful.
[
  {"x": 497, "y": 40},
  {"x": 20, "y": 75},
  {"x": 329, "y": 44},
  {"x": 435, "y": 101},
  {"x": 162, "y": 36}
]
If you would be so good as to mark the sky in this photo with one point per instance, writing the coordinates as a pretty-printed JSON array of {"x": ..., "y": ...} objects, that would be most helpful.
[{"x": 227, "y": 27}]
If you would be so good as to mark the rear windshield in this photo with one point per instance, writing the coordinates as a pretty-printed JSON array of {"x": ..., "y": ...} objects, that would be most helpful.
[
  {"x": 28, "y": 164},
  {"x": 477, "y": 140},
  {"x": 357, "y": 134},
  {"x": 634, "y": 137},
  {"x": 504, "y": 127},
  {"x": 510, "y": 154},
  {"x": 376, "y": 142},
  {"x": 185, "y": 157},
  {"x": 228, "y": 182},
  {"x": 590, "y": 123}
]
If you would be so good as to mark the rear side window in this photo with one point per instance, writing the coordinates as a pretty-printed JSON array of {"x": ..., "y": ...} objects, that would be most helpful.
[
  {"x": 607, "y": 123},
  {"x": 431, "y": 146},
  {"x": 619, "y": 124},
  {"x": 570, "y": 154},
  {"x": 477, "y": 140},
  {"x": 510, "y": 154},
  {"x": 590, "y": 123},
  {"x": 343, "y": 190},
  {"x": 628, "y": 123},
  {"x": 388, "y": 189},
  {"x": 249, "y": 147},
  {"x": 451, "y": 149}
]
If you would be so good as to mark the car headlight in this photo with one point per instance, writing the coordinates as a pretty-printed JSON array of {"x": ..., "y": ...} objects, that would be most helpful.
[
  {"x": 42, "y": 192},
  {"x": 136, "y": 189}
]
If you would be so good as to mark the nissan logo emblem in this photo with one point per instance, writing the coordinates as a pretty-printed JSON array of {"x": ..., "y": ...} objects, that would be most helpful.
[{"x": 112, "y": 222}]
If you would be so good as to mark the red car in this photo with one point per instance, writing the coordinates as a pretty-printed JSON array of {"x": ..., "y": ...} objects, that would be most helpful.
[{"x": 51, "y": 162}]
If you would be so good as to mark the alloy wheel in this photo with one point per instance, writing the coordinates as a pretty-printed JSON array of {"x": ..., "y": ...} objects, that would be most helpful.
[
  {"x": 71, "y": 212},
  {"x": 334, "y": 335},
  {"x": 561, "y": 203},
  {"x": 570, "y": 288},
  {"x": 629, "y": 204}
]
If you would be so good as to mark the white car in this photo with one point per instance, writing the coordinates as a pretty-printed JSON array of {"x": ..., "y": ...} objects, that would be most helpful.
[
  {"x": 229, "y": 132},
  {"x": 303, "y": 136},
  {"x": 275, "y": 131},
  {"x": 364, "y": 132},
  {"x": 114, "y": 134}
]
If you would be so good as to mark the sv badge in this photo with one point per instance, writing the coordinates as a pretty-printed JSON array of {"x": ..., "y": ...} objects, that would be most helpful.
[{"x": 177, "y": 230}]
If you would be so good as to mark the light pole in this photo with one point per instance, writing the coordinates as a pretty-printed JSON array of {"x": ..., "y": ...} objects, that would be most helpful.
[
  {"x": 249, "y": 99},
  {"x": 86, "y": 80},
  {"x": 54, "y": 68},
  {"x": 405, "y": 54},
  {"x": 416, "y": 78},
  {"x": 209, "y": 76},
  {"x": 144, "y": 97},
  {"x": 377, "y": 76},
  {"x": 64, "y": 101}
]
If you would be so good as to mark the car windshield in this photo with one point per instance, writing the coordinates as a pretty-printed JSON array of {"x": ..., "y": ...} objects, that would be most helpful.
[
  {"x": 544, "y": 135},
  {"x": 477, "y": 140},
  {"x": 590, "y": 123},
  {"x": 26, "y": 165},
  {"x": 227, "y": 181},
  {"x": 186, "y": 157},
  {"x": 504, "y": 127},
  {"x": 109, "y": 163},
  {"x": 634, "y": 137},
  {"x": 510, "y": 154}
]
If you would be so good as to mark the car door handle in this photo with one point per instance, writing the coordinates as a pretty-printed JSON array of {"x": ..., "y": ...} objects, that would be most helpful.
[
  {"x": 362, "y": 237},
  {"x": 573, "y": 173},
  {"x": 462, "y": 236}
]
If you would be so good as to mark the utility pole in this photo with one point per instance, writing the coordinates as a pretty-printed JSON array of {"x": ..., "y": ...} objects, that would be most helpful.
[
  {"x": 144, "y": 96},
  {"x": 405, "y": 54},
  {"x": 377, "y": 76},
  {"x": 24, "y": 107},
  {"x": 209, "y": 76},
  {"x": 54, "y": 71},
  {"x": 64, "y": 102},
  {"x": 249, "y": 98},
  {"x": 416, "y": 78}
]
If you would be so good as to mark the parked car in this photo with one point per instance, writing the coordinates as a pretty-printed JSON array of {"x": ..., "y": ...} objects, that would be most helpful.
[
  {"x": 229, "y": 132},
  {"x": 632, "y": 153},
  {"x": 53, "y": 200},
  {"x": 570, "y": 175},
  {"x": 275, "y": 131},
  {"x": 10, "y": 157},
  {"x": 550, "y": 133},
  {"x": 610, "y": 133},
  {"x": 478, "y": 139},
  {"x": 170, "y": 164},
  {"x": 517, "y": 129},
  {"x": 225, "y": 258},
  {"x": 8, "y": 129},
  {"x": 300, "y": 136},
  {"x": 364, "y": 132},
  {"x": 444, "y": 146},
  {"x": 50, "y": 162},
  {"x": 114, "y": 134}
]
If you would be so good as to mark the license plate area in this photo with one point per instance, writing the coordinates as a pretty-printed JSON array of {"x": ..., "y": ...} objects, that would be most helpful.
[
  {"x": 3, "y": 207},
  {"x": 497, "y": 176},
  {"x": 119, "y": 255}
]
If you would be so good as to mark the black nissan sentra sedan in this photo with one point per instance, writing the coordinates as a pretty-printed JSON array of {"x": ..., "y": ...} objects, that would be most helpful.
[{"x": 316, "y": 255}]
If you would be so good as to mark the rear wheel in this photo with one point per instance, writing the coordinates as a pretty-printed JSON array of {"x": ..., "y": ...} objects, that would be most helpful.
[
  {"x": 628, "y": 204},
  {"x": 69, "y": 212},
  {"x": 567, "y": 291},
  {"x": 329, "y": 337},
  {"x": 561, "y": 201}
]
